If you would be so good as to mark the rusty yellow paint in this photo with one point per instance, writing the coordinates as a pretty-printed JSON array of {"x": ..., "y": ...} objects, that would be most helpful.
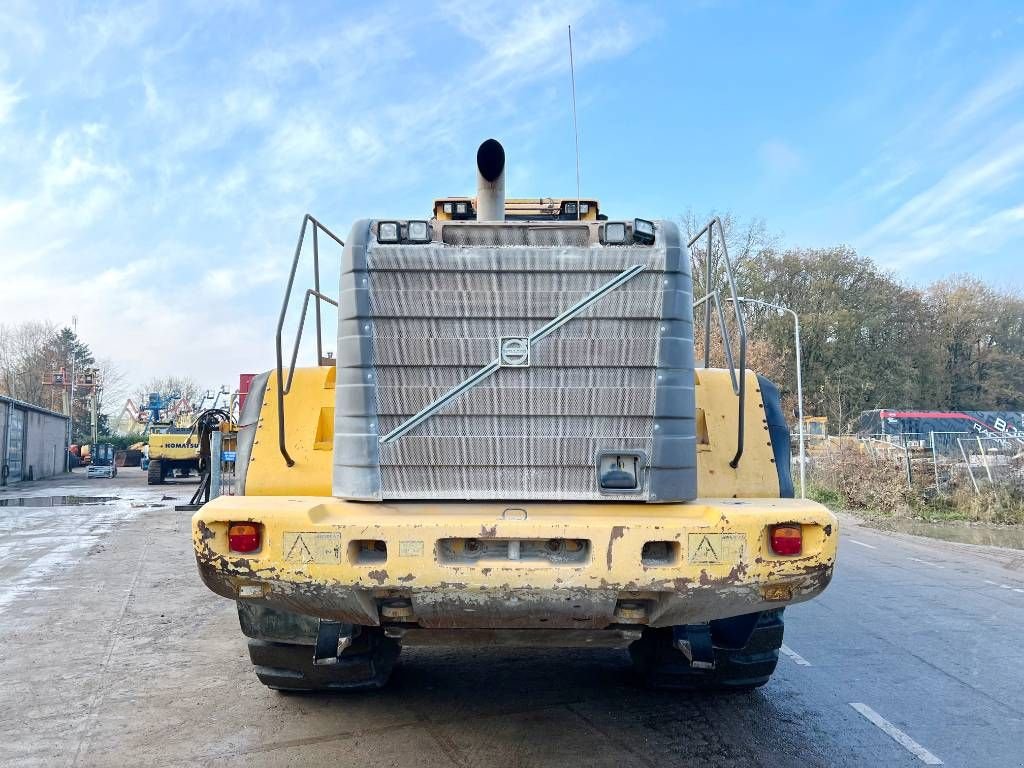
[
  {"x": 323, "y": 556},
  {"x": 307, "y": 540},
  {"x": 309, "y": 410},
  {"x": 309, "y": 418},
  {"x": 717, "y": 421}
]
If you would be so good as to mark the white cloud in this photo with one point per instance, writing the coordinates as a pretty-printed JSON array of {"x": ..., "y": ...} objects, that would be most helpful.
[
  {"x": 113, "y": 27},
  {"x": 19, "y": 33},
  {"x": 534, "y": 39},
  {"x": 944, "y": 182},
  {"x": 779, "y": 158},
  {"x": 220, "y": 283},
  {"x": 9, "y": 98},
  {"x": 961, "y": 208},
  {"x": 994, "y": 92},
  {"x": 155, "y": 187},
  {"x": 75, "y": 159}
]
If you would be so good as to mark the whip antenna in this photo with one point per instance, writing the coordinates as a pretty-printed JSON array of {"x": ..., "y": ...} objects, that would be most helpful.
[{"x": 575, "y": 125}]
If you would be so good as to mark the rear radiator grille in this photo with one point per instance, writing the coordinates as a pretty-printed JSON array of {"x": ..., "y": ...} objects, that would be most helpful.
[
  {"x": 505, "y": 235},
  {"x": 433, "y": 315}
]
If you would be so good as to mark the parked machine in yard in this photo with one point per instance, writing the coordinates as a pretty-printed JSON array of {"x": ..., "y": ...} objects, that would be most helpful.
[
  {"x": 171, "y": 449},
  {"x": 172, "y": 445},
  {"x": 514, "y": 446},
  {"x": 102, "y": 461}
]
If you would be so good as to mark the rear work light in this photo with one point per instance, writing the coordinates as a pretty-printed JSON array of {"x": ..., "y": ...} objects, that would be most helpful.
[
  {"x": 244, "y": 537},
  {"x": 787, "y": 539},
  {"x": 388, "y": 232},
  {"x": 614, "y": 233},
  {"x": 643, "y": 231},
  {"x": 418, "y": 232}
]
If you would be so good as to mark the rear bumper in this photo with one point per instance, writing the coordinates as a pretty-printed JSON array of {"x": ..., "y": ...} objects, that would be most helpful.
[{"x": 719, "y": 561}]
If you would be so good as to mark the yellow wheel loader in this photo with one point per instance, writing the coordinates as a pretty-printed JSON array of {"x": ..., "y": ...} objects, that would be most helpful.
[{"x": 514, "y": 446}]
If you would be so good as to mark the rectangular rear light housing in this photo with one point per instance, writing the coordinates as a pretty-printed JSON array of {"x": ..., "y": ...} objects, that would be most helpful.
[
  {"x": 786, "y": 539},
  {"x": 244, "y": 537}
]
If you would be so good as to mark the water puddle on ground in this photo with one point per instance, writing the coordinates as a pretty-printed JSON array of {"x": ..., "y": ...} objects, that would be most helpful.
[
  {"x": 991, "y": 536},
  {"x": 56, "y": 501}
]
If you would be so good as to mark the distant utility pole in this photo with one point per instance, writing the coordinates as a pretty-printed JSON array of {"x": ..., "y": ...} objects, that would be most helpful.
[
  {"x": 799, "y": 377},
  {"x": 71, "y": 404}
]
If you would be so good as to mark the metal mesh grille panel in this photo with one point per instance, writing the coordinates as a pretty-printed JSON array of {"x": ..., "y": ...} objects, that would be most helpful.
[
  {"x": 504, "y": 427},
  {"x": 493, "y": 328},
  {"x": 427, "y": 258},
  {"x": 446, "y": 377},
  {"x": 511, "y": 452},
  {"x": 418, "y": 320},
  {"x": 483, "y": 236},
  {"x": 552, "y": 352},
  {"x": 425, "y": 302},
  {"x": 460, "y": 482},
  {"x": 504, "y": 283},
  {"x": 437, "y": 317},
  {"x": 516, "y": 401}
]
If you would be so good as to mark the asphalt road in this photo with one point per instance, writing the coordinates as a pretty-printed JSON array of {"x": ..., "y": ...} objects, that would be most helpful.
[{"x": 112, "y": 653}]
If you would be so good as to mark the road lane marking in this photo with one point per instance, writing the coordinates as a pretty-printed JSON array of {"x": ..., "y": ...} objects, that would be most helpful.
[
  {"x": 796, "y": 657},
  {"x": 925, "y": 562},
  {"x": 861, "y": 543},
  {"x": 897, "y": 735}
]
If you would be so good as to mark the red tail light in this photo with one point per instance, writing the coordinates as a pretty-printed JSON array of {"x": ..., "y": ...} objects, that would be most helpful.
[
  {"x": 244, "y": 537},
  {"x": 787, "y": 539}
]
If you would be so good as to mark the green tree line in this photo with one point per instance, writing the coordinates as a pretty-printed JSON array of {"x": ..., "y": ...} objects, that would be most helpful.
[
  {"x": 868, "y": 339},
  {"x": 34, "y": 356}
]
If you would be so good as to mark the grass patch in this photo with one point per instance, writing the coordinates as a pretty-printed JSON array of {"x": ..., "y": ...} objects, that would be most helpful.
[{"x": 830, "y": 497}]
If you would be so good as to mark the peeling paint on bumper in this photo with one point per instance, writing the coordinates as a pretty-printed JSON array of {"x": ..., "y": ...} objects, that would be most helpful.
[{"x": 304, "y": 564}]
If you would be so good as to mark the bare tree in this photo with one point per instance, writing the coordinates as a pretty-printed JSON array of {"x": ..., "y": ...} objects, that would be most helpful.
[
  {"x": 744, "y": 243},
  {"x": 25, "y": 357},
  {"x": 111, "y": 396}
]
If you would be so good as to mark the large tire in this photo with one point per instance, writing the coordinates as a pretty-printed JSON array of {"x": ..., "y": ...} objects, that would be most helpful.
[
  {"x": 155, "y": 474},
  {"x": 365, "y": 665},
  {"x": 663, "y": 666}
]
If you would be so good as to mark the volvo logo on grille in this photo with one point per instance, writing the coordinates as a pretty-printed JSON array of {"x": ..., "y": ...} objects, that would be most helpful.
[{"x": 514, "y": 352}]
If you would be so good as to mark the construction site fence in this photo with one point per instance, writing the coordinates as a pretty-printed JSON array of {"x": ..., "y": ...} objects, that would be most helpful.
[{"x": 943, "y": 461}]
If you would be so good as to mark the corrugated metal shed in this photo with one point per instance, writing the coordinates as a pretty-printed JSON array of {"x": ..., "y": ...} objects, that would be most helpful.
[{"x": 33, "y": 441}]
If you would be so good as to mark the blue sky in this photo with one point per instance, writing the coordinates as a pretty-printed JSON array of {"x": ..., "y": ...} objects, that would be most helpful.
[{"x": 156, "y": 158}]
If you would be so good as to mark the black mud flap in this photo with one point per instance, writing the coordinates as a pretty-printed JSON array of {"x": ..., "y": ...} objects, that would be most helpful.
[
  {"x": 332, "y": 638},
  {"x": 736, "y": 654}
]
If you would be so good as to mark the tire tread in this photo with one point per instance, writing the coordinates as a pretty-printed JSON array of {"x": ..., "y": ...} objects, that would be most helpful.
[{"x": 743, "y": 669}]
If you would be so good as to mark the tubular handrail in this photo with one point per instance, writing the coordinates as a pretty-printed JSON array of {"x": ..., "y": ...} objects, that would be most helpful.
[
  {"x": 739, "y": 382},
  {"x": 282, "y": 389},
  {"x": 298, "y": 333},
  {"x": 723, "y": 328}
]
